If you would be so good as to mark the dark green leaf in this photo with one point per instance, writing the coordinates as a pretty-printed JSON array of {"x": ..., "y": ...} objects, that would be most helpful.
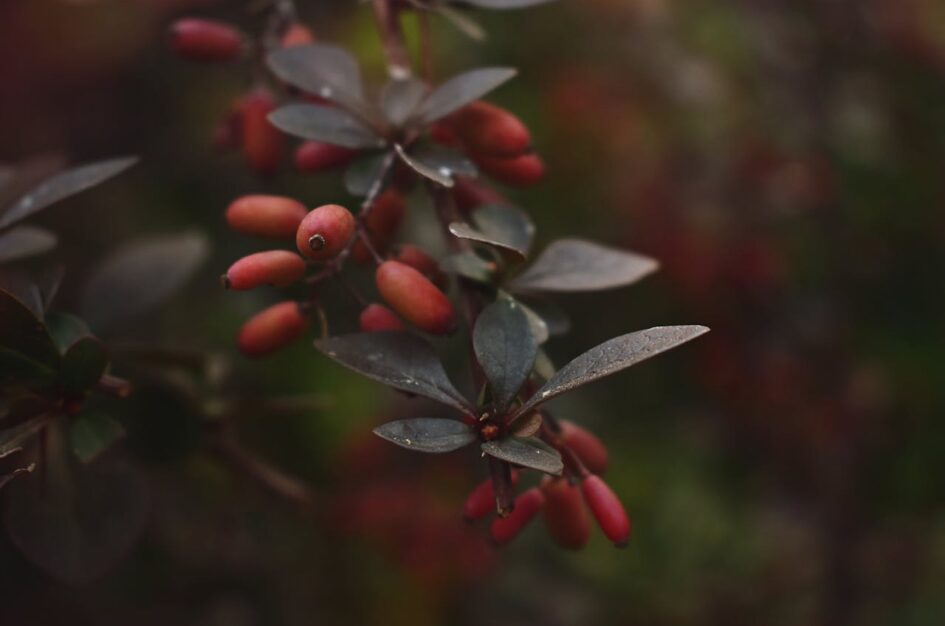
[
  {"x": 400, "y": 99},
  {"x": 83, "y": 364},
  {"x": 397, "y": 359},
  {"x": 504, "y": 227},
  {"x": 505, "y": 347},
  {"x": 23, "y": 333},
  {"x": 554, "y": 317},
  {"x": 327, "y": 124},
  {"x": 469, "y": 265},
  {"x": 364, "y": 171},
  {"x": 92, "y": 433},
  {"x": 446, "y": 161},
  {"x": 610, "y": 357},
  {"x": 76, "y": 521},
  {"x": 460, "y": 90},
  {"x": 62, "y": 186},
  {"x": 578, "y": 265},
  {"x": 527, "y": 452},
  {"x": 441, "y": 176},
  {"x": 25, "y": 241},
  {"x": 427, "y": 434},
  {"x": 139, "y": 276},
  {"x": 66, "y": 329},
  {"x": 321, "y": 69},
  {"x": 537, "y": 325},
  {"x": 462, "y": 22}
]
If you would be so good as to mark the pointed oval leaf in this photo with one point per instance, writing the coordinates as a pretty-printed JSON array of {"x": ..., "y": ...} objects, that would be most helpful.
[
  {"x": 610, "y": 357},
  {"x": 83, "y": 364},
  {"x": 439, "y": 175},
  {"x": 578, "y": 265},
  {"x": 92, "y": 433},
  {"x": 321, "y": 69},
  {"x": 400, "y": 99},
  {"x": 427, "y": 434},
  {"x": 469, "y": 265},
  {"x": 397, "y": 359},
  {"x": 537, "y": 325},
  {"x": 505, "y": 348},
  {"x": 327, "y": 124},
  {"x": 140, "y": 275},
  {"x": 22, "y": 333},
  {"x": 62, "y": 186},
  {"x": 444, "y": 160},
  {"x": 527, "y": 452},
  {"x": 460, "y": 90},
  {"x": 504, "y": 227},
  {"x": 556, "y": 320},
  {"x": 66, "y": 329},
  {"x": 25, "y": 241}
]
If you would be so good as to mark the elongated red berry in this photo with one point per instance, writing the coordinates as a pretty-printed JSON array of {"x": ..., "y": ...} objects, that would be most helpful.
[
  {"x": 470, "y": 194},
  {"x": 565, "y": 516},
  {"x": 415, "y": 298},
  {"x": 487, "y": 129},
  {"x": 417, "y": 258},
  {"x": 325, "y": 231},
  {"x": 271, "y": 329},
  {"x": 481, "y": 500},
  {"x": 296, "y": 35},
  {"x": 607, "y": 509},
  {"x": 519, "y": 171},
  {"x": 589, "y": 448},
  {"x": 381, "y": 224},
  {"x": 205, "y": 40},
  {"x": 262, "y": 142},
  {"x": 278, "y": 268},
  {"x": 276, "y": 217},
  {"x": 315, "y": 156},
  {"x": 376, "y": 318},
  {"x": 527, "y": 505}
]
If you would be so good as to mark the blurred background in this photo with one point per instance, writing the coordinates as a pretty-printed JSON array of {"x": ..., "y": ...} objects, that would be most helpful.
[{"x": 783, "y": 159}]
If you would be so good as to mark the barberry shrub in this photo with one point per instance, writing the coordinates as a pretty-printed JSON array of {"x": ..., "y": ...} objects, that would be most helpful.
[{"x": 444, "y": 138}]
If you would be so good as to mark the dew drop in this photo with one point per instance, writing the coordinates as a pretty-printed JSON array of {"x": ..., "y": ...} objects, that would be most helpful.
[{"x": 326, "y": 92}]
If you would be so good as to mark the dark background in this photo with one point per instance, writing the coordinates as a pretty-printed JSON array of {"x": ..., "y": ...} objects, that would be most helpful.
[{"x": 784, "y": 161}]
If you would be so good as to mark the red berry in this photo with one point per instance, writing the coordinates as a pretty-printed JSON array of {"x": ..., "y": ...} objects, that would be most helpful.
[
  {"x": 381, "y": 224},
  {"x": 271, "y": 329},
  {"x": 415, "y": 298},
  {"x": 565, "y": 516},
  {"x": 276, "y": 217},
  {"x": 262, "y": 142},
  {"x": 527, "y": 505},
  {"x": 377, "y": 318},
  {"x": 442, "y": 133},
  {"x": 325, "y": 231},
  {"x": 607, "y": 510},
  {"x": 486, "y": 129},
  {"x": 417, "y": 258},
  {"x": 297, "y": 35},
  {"x": 278, "y": 268},
  {"x": 315, "y": 156},
  {"x": 470, "y": 194},
  {"x": 590, "y": 449},
  {"x": 520, "y": 171},
  {"x": 481, "y": 500},
  {"x": 205, "y": 40}
]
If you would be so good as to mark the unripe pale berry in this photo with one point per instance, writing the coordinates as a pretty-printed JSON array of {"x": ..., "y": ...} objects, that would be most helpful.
[
  {"x": 325, "y": 231},
  {"x": 278, "y": 268},
  {"x": 296, "y": 35},
  {"x": 415, "y": 298},
  {"x": 417, "y": 258},
  {"x": 205, "y": 40},
  {"x": 589, "y": 448},
  {"x": 381, "y": 224},
  {"x": 487, "y": 129},
  {"x": 527, "y": 505},
  {"x": 377, "y": 318},
  {"x": 481, "y": 500},
  {"x": 607, "y": 509},
  {"x": 315, "y": 156},
  {"x": 271, "y": 329},
  {"x": 262, "y": 142},
  {"x": 276, "y": 217},
  {"x": 565, "y": 517},
  {"x": 520, "y": 171}
]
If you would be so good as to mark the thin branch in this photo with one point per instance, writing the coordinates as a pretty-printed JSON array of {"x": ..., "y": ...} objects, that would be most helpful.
[{"x": 392, "y": 37}]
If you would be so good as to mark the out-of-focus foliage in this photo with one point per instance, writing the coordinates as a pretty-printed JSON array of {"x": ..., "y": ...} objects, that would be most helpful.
[{"x": 782, "y": 161}]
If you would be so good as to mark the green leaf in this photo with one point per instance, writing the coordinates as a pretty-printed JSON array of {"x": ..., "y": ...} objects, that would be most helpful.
[
  {"x": 440, "y": 176},
  {"x": 66, "y": 329},
  {"x": 364, "y": 172},
  {"x": 400, "y": 99},
  {"x": 324, "y": 70},
  {"x": 578, "y": 265},
  {"x": 469, "y": 265},
  {"x": 527, "y": 452},
  {"x": 505, "y": 348},
  {"x": 22, "y": 333},
  {"x": 83, "y": 364},
  {"x": 91, "y": 433},
  {"x": 427, "y": 434},
  {"x": 460, "y": 90},
  {"x": 326, "y": 124},
  {"x": 504, "y": 227},
  {"x": 25, "y": 241}
]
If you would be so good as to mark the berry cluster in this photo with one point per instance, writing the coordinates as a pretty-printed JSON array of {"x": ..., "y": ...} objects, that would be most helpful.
[{"x": 445, "y": 140}]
